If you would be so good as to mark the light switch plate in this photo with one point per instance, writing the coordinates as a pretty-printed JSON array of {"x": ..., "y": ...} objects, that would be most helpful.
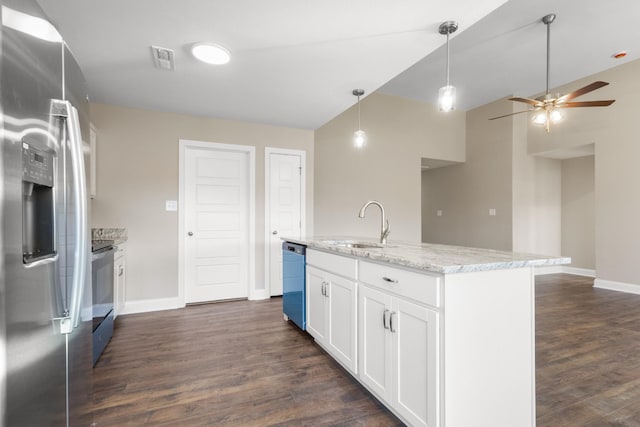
[
  {"x": 492, "y": 212},
  {"x": 439, "y": 212},
  {"x": 171, "y": 205}
]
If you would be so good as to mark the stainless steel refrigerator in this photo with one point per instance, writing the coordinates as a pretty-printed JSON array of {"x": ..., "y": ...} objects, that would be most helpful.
[{"x": 45, "y": 288}]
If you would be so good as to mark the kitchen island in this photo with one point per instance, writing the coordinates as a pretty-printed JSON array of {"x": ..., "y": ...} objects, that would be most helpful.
[{"x": 442, "y": 335}]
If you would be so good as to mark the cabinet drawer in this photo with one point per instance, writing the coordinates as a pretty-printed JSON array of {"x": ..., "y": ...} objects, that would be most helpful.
[
  {"x": 416, "y": 286},
  {"x": 336, "y": 264}
]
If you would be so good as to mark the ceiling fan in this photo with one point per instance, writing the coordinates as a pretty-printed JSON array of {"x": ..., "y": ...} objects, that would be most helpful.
[{"x": 547, "y": 107}]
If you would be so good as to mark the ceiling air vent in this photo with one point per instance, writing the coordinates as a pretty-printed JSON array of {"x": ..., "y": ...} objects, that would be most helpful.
[{"x": 163, "y": 58}]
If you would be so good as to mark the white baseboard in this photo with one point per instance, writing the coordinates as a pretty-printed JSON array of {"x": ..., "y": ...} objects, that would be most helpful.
[
  {"x": 551, "y": 269},
  {"x": 257, "y": 294},
  {"x": 617, "y": 286},
  {"x": 578, "y": 271},
  {"x": 159, "y": 304},
  {"x": 555, "y": 269},
  {"x": 147, "y": 305}
]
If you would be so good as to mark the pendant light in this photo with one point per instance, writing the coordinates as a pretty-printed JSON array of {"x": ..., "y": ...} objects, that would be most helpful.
[
  {"x": 359, "y": 137},
  {"x": 447, "y": 94}
]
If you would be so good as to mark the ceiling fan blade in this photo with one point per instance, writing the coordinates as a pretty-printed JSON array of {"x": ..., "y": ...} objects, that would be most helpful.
[
  {"x": 512, "y": 114},
  {"x": 576, "y": 93},
  {"x": 533, "y": 102},
  {"x": 587, "y": 104}
]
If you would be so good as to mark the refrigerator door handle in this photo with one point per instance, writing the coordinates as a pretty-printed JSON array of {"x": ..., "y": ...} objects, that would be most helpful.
[
  {"x": 40, "y": 262},
  {"x": 80, "y": 202}
]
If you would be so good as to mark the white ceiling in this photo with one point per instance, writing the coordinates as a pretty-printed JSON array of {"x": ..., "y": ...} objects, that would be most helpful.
[
  {"x": 295, "y": 62},
  {"x": 505, "y": 53}
]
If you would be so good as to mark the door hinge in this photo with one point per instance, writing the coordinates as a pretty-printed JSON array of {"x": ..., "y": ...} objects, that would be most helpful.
[{"x": 300, "y": 170}]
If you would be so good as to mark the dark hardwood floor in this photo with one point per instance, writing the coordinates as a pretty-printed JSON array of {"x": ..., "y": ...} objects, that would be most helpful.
[
  {"x": 587, "y": 354},
  {"x": 239, "y": 364},
  {"x": 228, "y": 364}
]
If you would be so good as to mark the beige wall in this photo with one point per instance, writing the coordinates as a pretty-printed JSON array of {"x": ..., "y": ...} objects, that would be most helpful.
[
  {"x": 498, "y": 174},
  {"x": 137, "y": 171},
  {"x": 536, "y": 196},
  {"x": 616, "y": 135},
  {"x": 578, "y": 210},
  {"x": 466, "y": 192},
  {"x": 400, "y": 133}
]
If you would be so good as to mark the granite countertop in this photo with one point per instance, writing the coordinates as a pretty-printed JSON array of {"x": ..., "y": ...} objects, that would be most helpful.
[
  {"x": 118, "y": 235},
  {"x": 444, "y": 259}
]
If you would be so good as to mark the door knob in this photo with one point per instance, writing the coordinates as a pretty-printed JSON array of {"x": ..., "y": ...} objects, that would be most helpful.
[
  {"x": 190, "y": 233},
  {"x": 274, "y": 232}
]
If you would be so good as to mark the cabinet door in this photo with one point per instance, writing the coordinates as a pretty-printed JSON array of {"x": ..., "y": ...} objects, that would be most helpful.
[
  {"x": 342, "y": 321},
  {"x": 415, "y": 333},
  {"x": 316, "y": 316},
  {"x": 374, "y": 338}
]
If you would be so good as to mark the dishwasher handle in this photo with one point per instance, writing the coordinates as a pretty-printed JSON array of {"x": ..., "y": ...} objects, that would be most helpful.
[{"x": 294, "y": 247}]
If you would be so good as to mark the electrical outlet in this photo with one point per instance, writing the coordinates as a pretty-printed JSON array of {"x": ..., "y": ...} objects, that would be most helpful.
[
  {"x": 439, "y": 212},
  {"x": 492, "y": 212},
  {"x": 171, "y": 205}
]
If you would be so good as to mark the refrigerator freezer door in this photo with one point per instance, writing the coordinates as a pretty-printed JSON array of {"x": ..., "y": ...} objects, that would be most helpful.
[
  {"x": 31, "y": 77},
  {"x": 37, "y": 293}
]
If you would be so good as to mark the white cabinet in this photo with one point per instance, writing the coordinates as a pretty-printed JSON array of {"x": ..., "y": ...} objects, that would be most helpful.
[
  {"x": 316, "y": 303},
  {"x": 342, "y": 298},
  {"x": 331, "y": 315},
  {"x": 399, "y": 352},
  {"x": 439, "y": 350},
  {"x": 119, "y": 279},
  {"x": 374, "y": 339},
  {"x": 332, "y": 304},
  {"x": 416, "y": 374}
]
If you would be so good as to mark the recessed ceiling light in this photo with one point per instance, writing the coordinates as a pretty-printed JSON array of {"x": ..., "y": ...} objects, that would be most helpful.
[{"x": 211, "y": 53}]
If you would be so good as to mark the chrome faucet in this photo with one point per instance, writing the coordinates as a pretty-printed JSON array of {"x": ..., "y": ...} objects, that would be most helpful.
[{"x": 384, "y": 226}]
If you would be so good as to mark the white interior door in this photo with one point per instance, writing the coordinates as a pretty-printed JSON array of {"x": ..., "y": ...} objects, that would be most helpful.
[
  {"x": 285, "y": 182},
  {"x": 217, "y": 202}
]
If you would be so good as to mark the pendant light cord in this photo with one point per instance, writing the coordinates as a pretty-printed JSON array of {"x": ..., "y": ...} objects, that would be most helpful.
[
  {"x": 359, "y": 127},
  {"x": 447, "y": 58}
]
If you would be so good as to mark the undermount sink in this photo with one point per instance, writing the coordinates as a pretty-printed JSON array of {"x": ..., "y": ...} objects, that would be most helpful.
[{"x": 355, "y": 245}]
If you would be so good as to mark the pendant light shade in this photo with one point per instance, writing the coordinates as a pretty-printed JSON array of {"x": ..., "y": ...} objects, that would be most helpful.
[
  {"x": 446, "y": 98},
  {"x": 359, "y": 136},
  {"x": 447, "y": 93}
]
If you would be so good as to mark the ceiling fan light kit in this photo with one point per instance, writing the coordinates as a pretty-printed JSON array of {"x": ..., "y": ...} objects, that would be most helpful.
[
  {"x": 447, "y": 93},
  {"x": 547, "y": 108}
]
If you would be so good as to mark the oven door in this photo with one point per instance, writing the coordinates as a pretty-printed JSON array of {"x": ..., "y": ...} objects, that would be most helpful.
[{"x": 102, "y": 284}]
